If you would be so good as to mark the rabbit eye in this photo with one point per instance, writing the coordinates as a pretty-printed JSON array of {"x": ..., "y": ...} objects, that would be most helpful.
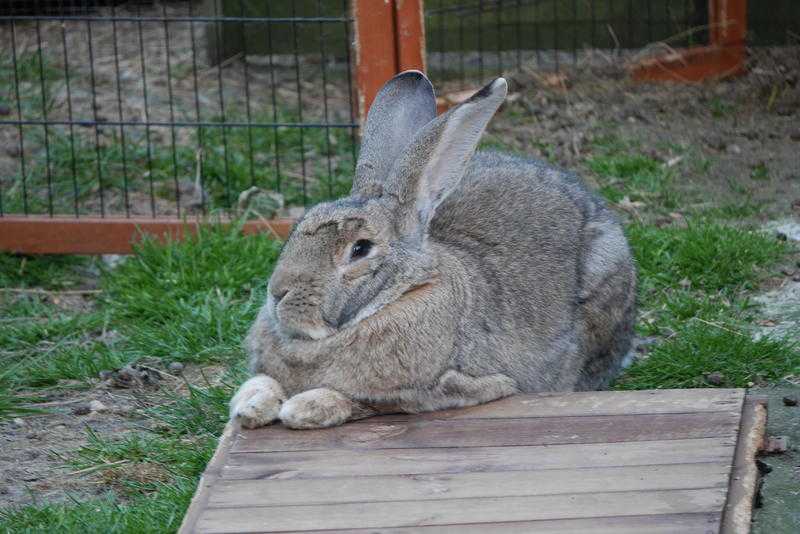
[{"x": 360, "y": 249}]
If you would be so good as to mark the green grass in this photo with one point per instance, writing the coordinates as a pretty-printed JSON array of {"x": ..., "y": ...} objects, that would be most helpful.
[
  {"x": 699, "y": 348},
  {"x": 48, "y": 272},
  {"x": 711, "y": 256},
  {"x": 623, "y": 171},
  {"x": 190, "y": 301},
  {"x": 693, "y": 287},
  {"x": 76, "y": 176}
]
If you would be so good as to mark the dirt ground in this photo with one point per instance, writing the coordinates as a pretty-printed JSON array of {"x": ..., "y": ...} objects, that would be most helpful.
[
  {"x": 35, "y": 449},
  {"x": 728, "y": 141}
]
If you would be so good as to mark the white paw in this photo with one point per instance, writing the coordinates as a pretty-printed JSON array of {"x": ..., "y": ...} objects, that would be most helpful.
[
  {"x": 258, "y": 402},
  {"x": 316, "y": 408}
]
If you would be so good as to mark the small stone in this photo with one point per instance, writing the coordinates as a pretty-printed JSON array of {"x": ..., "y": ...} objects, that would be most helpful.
[
  {"x": 776, "y": 445},
  {"x": 790, "y": 400},
  {"x": 734, "y": 149},
  {"x": 127, "y": 377},
  {"x": 796, "y": 278},
  {"x": 176, "y": 368},
  {"x": 780, "y": 236},
  {"x": 18, "y": 422},
  {"x": 83, "y": 409},
  {"x": 786, "y": 271},
  {"x": 715, "y": 378},
  {"x": 97, "y": 406},
  {"x": 716, "y": 142},
  {"x": 105, "y": 374}
]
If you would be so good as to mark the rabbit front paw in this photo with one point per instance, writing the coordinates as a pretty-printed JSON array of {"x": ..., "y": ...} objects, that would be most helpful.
[
  {"x": 258, "y": 402},
  {"x": 316, "y": 408}
]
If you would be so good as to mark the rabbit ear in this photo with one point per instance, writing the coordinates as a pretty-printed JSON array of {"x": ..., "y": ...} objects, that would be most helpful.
[
  {"x": 432, "y": 166},
  {"x": 403, "y": 106}
]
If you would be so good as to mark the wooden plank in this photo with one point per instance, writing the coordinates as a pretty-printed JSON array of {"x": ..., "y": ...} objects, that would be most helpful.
[
  {"x": 727, "y": 22},
  {"x": 744, "y": 478},
  {"x": 589, "y": 403},
  {"x": 205, "y": 486},
  {"x": 445, "y": 512},
  {"x": 277, "y": 492},
  {"x": 410, "y": 22},
  {"x": 318, "y": 464},
  {"x": 493, "y": 432},
  {"x": 375, "y": 49},
  {"x": 703, "y": 523},
  {"x": 94, "y": 235}
]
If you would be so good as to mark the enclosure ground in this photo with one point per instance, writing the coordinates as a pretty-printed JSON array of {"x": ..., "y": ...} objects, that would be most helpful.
[{"x": 700, "y": 175}]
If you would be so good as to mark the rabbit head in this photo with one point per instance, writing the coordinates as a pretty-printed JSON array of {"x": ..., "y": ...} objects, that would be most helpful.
[{"x": 348, "y": 259}]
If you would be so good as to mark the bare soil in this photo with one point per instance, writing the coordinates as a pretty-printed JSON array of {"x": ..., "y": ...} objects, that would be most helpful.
[
  {"x": 729, "y": 141},
  {"x": 35, "y": 450}
]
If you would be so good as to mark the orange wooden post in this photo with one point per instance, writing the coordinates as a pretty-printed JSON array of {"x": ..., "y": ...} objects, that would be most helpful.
[
  {"x": 375, "y": 49},
  {"x": 410, "y": 32},
  {"x": 389, "y": 38},
  {"x": 93, "y": 235},
  {"x": 727, "y": 22}
]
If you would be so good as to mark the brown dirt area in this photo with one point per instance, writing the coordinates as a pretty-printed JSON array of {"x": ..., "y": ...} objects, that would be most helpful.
[
  {"x": 35, "y": 449},
  {"x": 728, "y": 141}
]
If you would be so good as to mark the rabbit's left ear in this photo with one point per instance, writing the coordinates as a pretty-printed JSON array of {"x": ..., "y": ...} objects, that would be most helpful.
[
  {"x": 403, "y": 106},
  {"x": 434, "y": 163}
]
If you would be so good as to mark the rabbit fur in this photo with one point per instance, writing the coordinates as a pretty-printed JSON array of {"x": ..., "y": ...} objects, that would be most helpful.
[{"x": 447, "y": 278}]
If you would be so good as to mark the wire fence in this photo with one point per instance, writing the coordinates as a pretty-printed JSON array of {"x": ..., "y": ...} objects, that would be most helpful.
[
  {"x": 169, "y": 108},
  {"x": 478, "y": 39},
  {"x": 135, "y": 108}
]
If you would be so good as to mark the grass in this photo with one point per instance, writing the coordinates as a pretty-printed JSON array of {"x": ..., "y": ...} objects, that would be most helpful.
[
  {"x": 191, "y": 301},
  {"x": 623, "y": 171}
]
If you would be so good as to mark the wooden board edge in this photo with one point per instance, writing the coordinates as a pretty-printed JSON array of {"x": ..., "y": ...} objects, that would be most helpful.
[
  {"x": 111, "y": 235},
  {"x": 738, "y": 511},
  {"x": 210, "y": 475}
]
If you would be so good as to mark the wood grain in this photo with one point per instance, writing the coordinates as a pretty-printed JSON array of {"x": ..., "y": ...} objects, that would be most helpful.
[
  {"x": 277, "y": 492},
  {"x": 444, "y": 512},
  {"x": 494, "y": 432},
  {"x": 656, "y": 462},
  {"x": 318, "y": 464},
  {"x": 591, "y": 403},
  {"x": 703, "y": 523}
]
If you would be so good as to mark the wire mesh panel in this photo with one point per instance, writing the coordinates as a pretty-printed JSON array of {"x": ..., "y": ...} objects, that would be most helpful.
[
  {"x": 169, "y": 108},
  {"x": 478, "y": 39}
]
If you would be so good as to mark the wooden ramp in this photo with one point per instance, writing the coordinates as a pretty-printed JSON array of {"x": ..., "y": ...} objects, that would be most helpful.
[{"x": 668, "y": 461}]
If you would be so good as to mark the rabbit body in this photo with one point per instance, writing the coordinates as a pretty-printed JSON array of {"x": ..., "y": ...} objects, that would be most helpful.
[{"x": 484, "y": 275}]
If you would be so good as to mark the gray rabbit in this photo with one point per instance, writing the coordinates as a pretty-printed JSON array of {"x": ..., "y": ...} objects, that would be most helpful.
[{"x": 447, "y": 278}]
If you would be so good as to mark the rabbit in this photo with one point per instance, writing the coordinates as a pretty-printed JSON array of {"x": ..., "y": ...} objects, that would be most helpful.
[{"x": 447, "y": 278}]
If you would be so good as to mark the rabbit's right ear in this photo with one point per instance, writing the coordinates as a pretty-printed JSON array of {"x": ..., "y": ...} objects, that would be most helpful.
[{"x": 403, "y": 106}]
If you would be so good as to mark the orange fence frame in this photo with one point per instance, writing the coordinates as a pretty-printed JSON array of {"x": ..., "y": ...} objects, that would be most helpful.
[
  {"x": 389, "y": 38},
  {"x": 723, "y": 57},
  {"x": 90, "y": 235}
]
